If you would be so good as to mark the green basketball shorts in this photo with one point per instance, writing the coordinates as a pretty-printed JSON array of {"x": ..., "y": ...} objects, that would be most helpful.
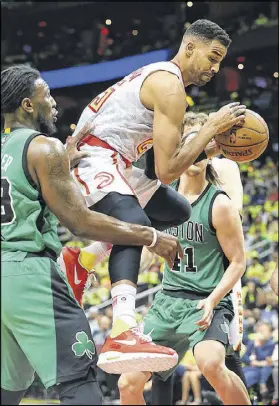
[
  {"x": 44, "y": 330},
  {"x": 171, "y": 322}
]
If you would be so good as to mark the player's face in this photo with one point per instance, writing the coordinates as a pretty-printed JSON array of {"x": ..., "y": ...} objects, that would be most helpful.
[
  {"x": 44, "y": 111},
  {"x": 205, "y": 60}
]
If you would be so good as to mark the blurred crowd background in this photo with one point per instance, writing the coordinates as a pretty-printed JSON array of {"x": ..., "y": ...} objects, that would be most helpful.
[{"x": 53, "y": 36}]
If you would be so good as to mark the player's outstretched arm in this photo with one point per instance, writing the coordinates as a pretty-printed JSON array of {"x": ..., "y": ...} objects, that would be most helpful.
[
  {"x": 229, "y": 176},
  {"x": 163, "y": 93},
  {"x": 49, "y": 167},
  {"x": 227, "y": 223}
]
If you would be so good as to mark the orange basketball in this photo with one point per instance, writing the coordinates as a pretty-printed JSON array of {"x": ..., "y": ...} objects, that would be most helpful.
[{"x": 244, "y": 144}]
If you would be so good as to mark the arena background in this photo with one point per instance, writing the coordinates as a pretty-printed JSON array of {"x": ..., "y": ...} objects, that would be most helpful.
[{"x": 82, "y": 48}]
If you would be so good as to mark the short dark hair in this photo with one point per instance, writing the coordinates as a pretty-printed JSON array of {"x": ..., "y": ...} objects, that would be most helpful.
[
  {"x": 207, "y": 30},
  {"x": 17, "y": 82}
]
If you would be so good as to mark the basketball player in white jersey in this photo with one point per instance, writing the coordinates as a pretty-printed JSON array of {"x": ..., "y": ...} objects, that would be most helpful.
[{"x": 144, "y": 109}]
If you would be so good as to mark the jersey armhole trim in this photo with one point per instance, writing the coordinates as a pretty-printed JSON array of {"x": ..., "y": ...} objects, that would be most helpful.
[
  {"x": 211, "y": 226},
  {"x": 24, "y": 161}
]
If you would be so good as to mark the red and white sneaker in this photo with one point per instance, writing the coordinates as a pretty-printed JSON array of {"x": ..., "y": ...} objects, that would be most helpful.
[
  {"x": 78, "y": 277},
  {"x": 132, "y": 351}
]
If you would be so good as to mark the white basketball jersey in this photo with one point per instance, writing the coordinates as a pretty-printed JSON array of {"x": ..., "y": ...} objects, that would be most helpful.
[{"x": 118, "y": 117}]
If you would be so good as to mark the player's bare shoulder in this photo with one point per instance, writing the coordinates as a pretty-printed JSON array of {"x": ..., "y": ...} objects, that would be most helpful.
[
  {"x": 162, "y": 85},
  {"x": 223, "y": 209},
  {"x": 43, "y": 146},
  {"x": 47, "y": 153}
]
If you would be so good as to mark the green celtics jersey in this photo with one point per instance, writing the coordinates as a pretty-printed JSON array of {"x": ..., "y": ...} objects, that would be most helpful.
[
  {"x": 204, "y": 262},
  {"x": 27, "y": 226}
]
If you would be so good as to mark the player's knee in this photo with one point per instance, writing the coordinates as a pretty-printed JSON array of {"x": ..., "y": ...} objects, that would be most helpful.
[
  {"x": 210, "y": 357},
  {"x": 210, "y": 367},
  {"x": 129, "y": 384},
  {"x": 124, "y": 208},
  {"x": 176, "y": 209}
]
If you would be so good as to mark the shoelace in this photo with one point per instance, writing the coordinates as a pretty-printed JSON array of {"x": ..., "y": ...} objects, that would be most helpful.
[
  {"x": 89, "y": 281},
  {"x": 138, "y": 330}
]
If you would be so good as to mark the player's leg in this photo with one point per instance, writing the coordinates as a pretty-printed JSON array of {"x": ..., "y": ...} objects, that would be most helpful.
[
  {"x": 162, "y": 391},
  {"x": 233, "y": 362},
  {"x": 117, "y": 356},
  {"x": 175, "y": 210},
  {"x": 52, "y": 330},
  {"x": 131, "y": 386},
  {"x": 210, "y": 357},
  {"x": 11, "y": 397},
  {"x": 160, "y": 323},
  {"x": 16, "y": 372},
  {"x": 124, "y": 260},
  {"x": 78, "y": 263},
  {"x": 81, "y": 391},
  {"x": 97, "y": 176},
  {"x": 107, "y": 189},
  {"x": 165, "y": 317}
]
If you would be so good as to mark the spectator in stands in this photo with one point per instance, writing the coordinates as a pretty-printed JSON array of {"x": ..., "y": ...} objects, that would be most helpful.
[
  {"x": 96, "y": 294},
  {"x": 249, "y": 322},
  {"x": 252, "y": 295},
  {"x": 255, "y": 271},
  {"x": 274, "y": 278},
  {"x": 268, "y": 270},
  {"x": 258, "y": 358},
  {"x": 269, "y": 313},
  {"x": 109, "y": 312},
  {"x": 274, "y": 359},
  {"x": 101, "y": 334},
  {"x": 92, "y": 316}
]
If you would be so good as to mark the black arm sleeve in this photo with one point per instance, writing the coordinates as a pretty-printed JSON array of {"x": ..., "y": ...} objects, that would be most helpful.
[{"x": 150, "y": 164}]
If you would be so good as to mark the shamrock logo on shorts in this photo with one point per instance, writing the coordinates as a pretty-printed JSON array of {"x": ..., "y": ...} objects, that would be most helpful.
[
  {"x": 225, "y": 328},
  {"x": 83, "y": 345}
]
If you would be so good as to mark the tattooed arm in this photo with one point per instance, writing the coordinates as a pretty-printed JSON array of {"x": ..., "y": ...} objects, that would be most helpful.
[{"x": 48, "y": 165}]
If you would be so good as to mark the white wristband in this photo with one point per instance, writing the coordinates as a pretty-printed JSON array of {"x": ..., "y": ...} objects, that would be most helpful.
[{"x": 155, "y": 237}]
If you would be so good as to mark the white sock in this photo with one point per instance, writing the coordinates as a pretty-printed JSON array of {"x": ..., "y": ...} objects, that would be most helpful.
[
  {"x": 93, "y": 254},
  {"x": 100, "y": 249},
  {"x": 124, "y": 303}
]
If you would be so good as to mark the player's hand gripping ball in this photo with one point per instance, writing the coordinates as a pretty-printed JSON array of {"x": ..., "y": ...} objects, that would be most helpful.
[{"x": 246, "y": 143}]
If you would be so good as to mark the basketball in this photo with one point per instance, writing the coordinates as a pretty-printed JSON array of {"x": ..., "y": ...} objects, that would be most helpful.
[{"x": 246, "y": 143}]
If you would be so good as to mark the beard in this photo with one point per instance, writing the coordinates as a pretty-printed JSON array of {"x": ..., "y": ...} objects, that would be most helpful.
[{"x": 46, "y": 126}]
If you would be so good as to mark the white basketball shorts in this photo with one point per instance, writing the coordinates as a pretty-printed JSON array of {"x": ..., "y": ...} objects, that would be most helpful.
[{"x": 106, "y": 171}]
